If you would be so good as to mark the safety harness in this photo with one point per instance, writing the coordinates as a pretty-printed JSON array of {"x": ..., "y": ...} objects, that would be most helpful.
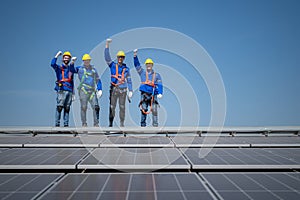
[
  {"x": 63, "y": 80},
  {"x": 82, "y": 85},
  {"x": 152, "y": 84},
  {"x": 120, "y": 78}
]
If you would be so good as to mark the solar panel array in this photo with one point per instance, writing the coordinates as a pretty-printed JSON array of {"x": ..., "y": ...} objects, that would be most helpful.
[{"x": 148, "y": 167}]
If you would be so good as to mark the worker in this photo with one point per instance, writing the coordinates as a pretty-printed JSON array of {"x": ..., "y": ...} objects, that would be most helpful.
[
  {"x": 120, "y": 81},
  {"x": 89, "y": 89},
  {"x": 64, "y": 85},
  {"x": 151, "y": 88}
]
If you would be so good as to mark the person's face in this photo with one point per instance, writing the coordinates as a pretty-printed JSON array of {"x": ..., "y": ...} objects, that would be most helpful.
[
  {"x": 149, "y": 66},
  {"x": 86, "y": 62},
  {"x": 66, "y": 60},
  {"x": 121, "y": 59}
]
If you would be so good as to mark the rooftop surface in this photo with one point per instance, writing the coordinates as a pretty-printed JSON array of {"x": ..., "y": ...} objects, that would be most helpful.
[{"x": 150, "y": 163}]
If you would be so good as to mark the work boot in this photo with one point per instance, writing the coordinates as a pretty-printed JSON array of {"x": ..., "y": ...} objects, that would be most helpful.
[
  {"x": 66, "y": 125},
  {"x": 57, "y": 125},
  {"x": 96, "y": 125},
  {"x": 84, "y": 125}
]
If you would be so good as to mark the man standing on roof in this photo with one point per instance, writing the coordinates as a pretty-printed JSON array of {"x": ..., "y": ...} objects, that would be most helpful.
[
  {"x": 120, "y": 80},
  {"x": 64, "y": 85},
  {"x": 151, "y": 88},
  {"x": 89, "y": 89}
]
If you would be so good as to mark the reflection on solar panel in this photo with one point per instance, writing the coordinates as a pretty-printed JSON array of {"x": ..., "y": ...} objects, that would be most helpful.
[
  {"x": 25, "y": 186},
  {"x": 134, "y": 158},
  {"x": 41, "y": 158},
  {"x": 130, "y": 186},
  {"x": 255, "y": 185},
  {"x": 244, "y": 158}
]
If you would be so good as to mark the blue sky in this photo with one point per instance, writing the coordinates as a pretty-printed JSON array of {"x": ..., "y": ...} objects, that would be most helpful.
[{"x": 255, "y": 45}]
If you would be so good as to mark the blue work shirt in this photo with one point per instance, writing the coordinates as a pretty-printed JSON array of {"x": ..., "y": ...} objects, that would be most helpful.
[
  {"x": 90, "y": 79},
  {"x": 112, "y": 66},
  {"x": 65, "y": 83},
  {"x": 158, "y": 86}
]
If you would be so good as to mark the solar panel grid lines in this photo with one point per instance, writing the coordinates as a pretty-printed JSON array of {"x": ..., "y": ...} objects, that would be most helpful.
[
  {"x": 134, "y": 158},
  {"x": 129, "y": 186},
  {"x": 41, "y": 158},
  {"x": 137, "y": 141},
  {"x": 254, "y": 185},
  {"x": 25, "y": 186},
  {"x": 241, "y": 158}
]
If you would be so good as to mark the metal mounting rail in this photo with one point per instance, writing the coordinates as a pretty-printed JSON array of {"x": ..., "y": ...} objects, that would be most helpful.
[{"x": 153, "y": 130}]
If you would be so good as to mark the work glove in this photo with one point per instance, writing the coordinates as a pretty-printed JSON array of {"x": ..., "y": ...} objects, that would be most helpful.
[
  {"x": 73, "y": 97},
  {"x": 73, "y": 59},
  {"x": 135, "y": 52},
  {"x": 130, "y": 94},
  {"x": 58, "y": 54},
  {"x": 159, "y": 96},
  {"x": 108, "y": 40},
  {"x": 99, "y": 93}
]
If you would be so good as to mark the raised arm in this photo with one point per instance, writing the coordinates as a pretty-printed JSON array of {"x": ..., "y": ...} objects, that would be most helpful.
[
  {"x": 136, "y": 62},
  {"x": 106, "y": 52},
  {"x": 54, "y": 60}
]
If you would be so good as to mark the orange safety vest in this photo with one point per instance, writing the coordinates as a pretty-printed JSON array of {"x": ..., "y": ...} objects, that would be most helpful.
[
  {"x": 147, "y": 82},
  {"x": 120, "y": 80}
]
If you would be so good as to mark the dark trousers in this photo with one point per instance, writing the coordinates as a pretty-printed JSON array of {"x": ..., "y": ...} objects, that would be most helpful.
[
  {"x": 145, "y": 103},
  {"x": 116, "y": 94}
]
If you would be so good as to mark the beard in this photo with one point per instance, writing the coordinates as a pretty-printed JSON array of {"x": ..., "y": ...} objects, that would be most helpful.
[{"x": 66, "y": 62}]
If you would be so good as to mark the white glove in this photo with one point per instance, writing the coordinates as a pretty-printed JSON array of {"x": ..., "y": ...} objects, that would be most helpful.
[
  {"x": 73, "y": 59},
  {"x": 99, "y": 93},
  {"x": 73, "y": 97},
  {"x": 159, "y": 96},
  {"x": 130, "y": 94},
  {"x": 108, "y": 40},
  {"x": 58, "y": 54},
  {"x": 135, "y": 51}
]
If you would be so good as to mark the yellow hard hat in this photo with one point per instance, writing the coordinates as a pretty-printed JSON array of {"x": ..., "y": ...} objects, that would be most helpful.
[
  {"x": 121, "y": 53},
  {"x": 149, "y": 61},
  {"x": 67, "y": 53},
  {"x": 86, "y": 57}
]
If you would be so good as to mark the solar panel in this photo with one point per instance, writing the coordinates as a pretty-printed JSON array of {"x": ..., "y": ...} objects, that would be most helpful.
[
  {"x": 134, "y": 158},
  {"x": 25, "y": 186},
  {"x": 242, "y": 141},
  {"x": 140, "y": 141},
  {"x": 209, "y": 141},
  {"x": 15, "y": 141},
  {"x": 66, "y": 141},
  {"x": 41, "y": 158},
  {"x": 243, "y": 158},
  {"x": 130, "y": 186},
  {"x": 255, "y": 185}
]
